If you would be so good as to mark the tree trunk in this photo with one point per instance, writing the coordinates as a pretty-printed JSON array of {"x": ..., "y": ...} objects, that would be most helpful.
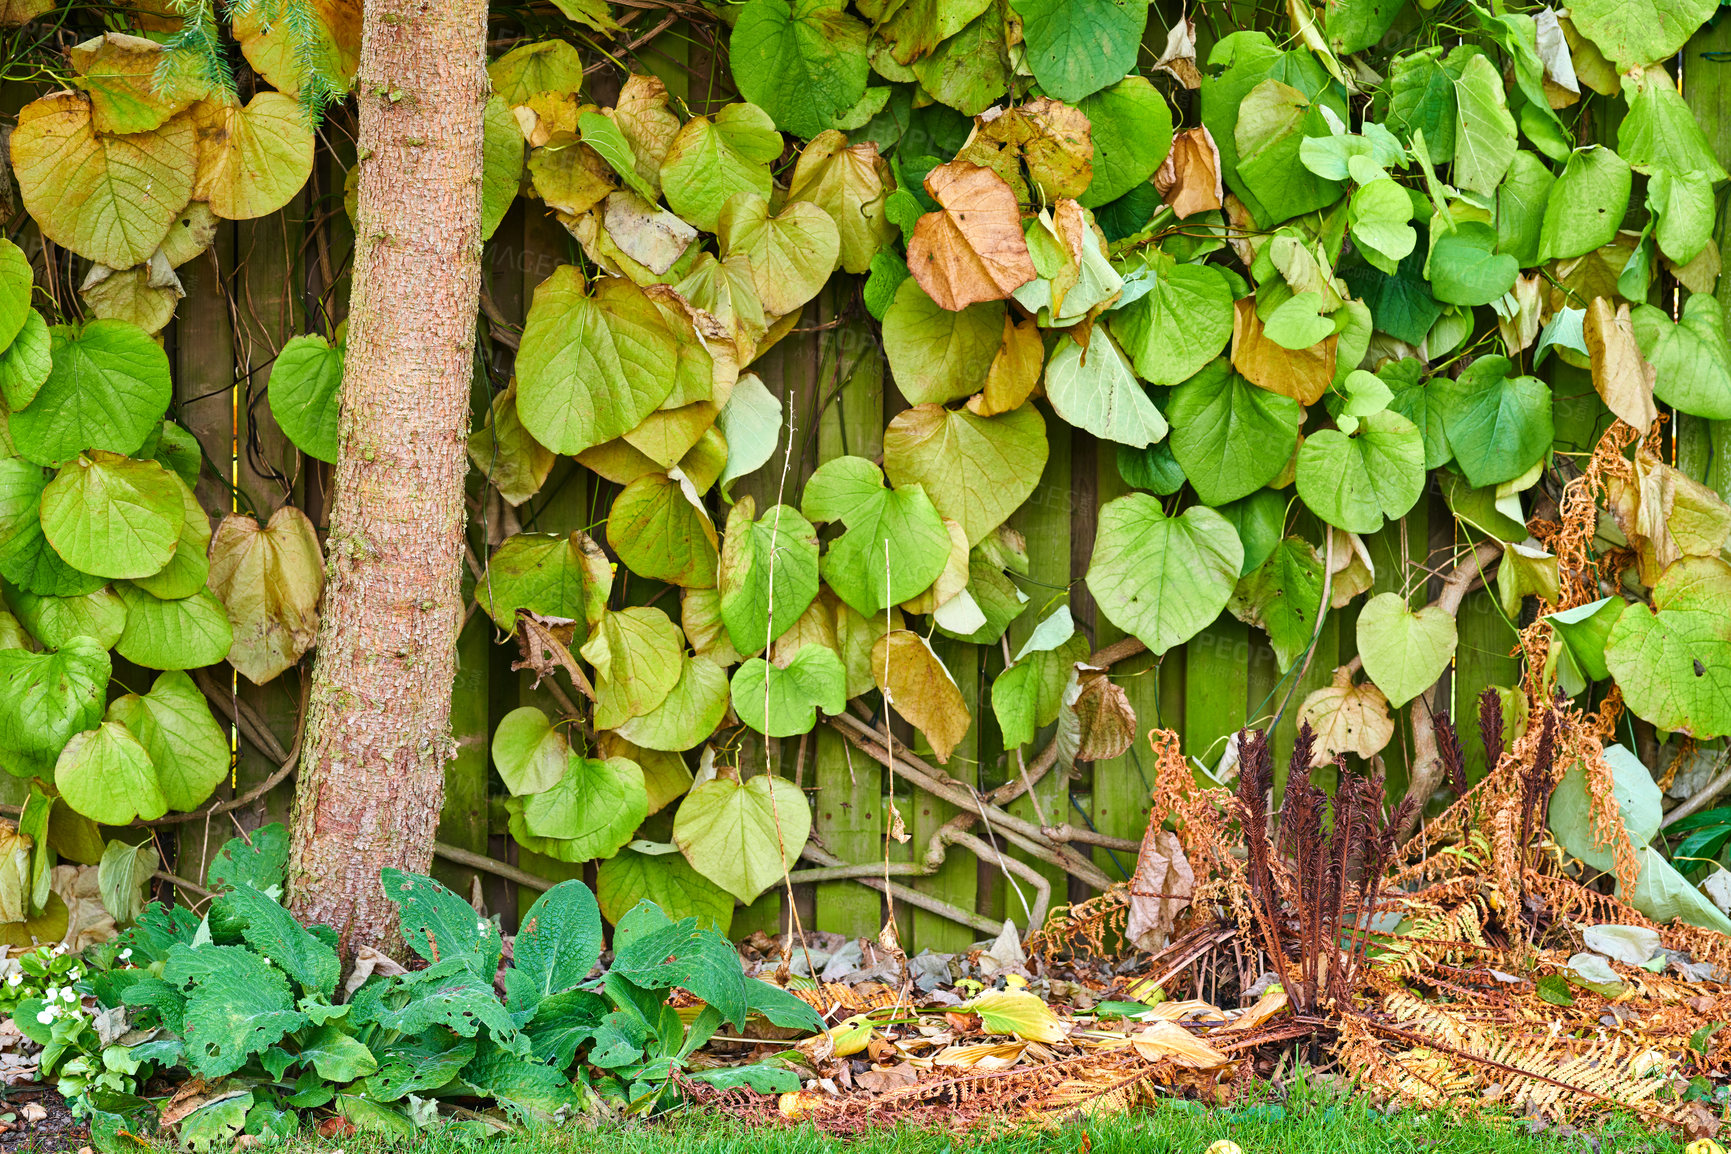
[{"x": 378, "y": 726}]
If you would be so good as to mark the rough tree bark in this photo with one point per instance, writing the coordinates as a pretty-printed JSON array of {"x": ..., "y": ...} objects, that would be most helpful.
[{"x": 377, "y": 734}]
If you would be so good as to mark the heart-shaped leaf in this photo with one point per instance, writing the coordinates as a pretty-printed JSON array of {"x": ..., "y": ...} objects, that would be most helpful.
[
  {"x": 106, "y": 775},
  {"x": 1162, "y": 579},
  {"x": 743, "y": 836},
  {"x": 529, "y": 753},
  {"x": 1404, "y": 651},
  {"x": 186, "y": 746},
  {"x": 114, "y": 516},
  {"x": 782, "y": 701},
  {"x": 593, "y": 808}
]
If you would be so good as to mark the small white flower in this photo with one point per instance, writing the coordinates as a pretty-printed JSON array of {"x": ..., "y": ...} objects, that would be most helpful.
[
  {"x": 59, "y": 949},
  {"x": 75, "y": 975},
  {"x": 69, "y": 995},
  {"x": 48, "y": 1014},
  {"x": 51, "y": 993},
  {"x": 17, "y": 978},
  {"x": 126, "y": 953}
]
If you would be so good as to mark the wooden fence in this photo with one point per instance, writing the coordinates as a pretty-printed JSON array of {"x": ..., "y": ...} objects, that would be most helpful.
[{"x": 268, "y": 280}]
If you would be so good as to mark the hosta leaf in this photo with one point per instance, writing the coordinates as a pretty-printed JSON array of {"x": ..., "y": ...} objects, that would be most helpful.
[
  {"x": 592, "y": 364},
  {"x": 188, "y": 748},
  {"x": 666, "y": 879},
  {"x": 1180, "y": 324},
  {"x": 236, "y": 1005},
  {"x": 1076, "y": 49},
  {"x": 977, "y": 470},
  {"x": 1673, "y": 661},
  {"x": 1230, "y": 437},
  {"x": 1404, "y": 651},
  {"x": 661, "y": 532},
  {"x": 791, "y": 254},
  {"x": 782, "y": 702},
  {"x": 743, "y": 836},
  {"x": 186, "y": 634},
  {"x": 595, "y": 807},
  {"x": 1354, "y": 482},
  {"x": 769, "y": 560},
  {"x": 107, "y": 390},
  {"x": 803, "y": 62},
  {"x": 895, "y": 544},
  {"x": 937, "y": 355},
  {"x": 106, "y": 775},
  {"x": 1498, "y": 426},
  {"x": 1282, "y": 596},
  {"x": 528, "y": 752},
  {"x": 252, "y": 159},
  {"x": 110, "y": 199},
  {"x": 541, "y": 572},
  {"x": 305, "y": 387},
  {"x": 269, "y": 580},
  {"x": 1162, "y": 579},
  {"x": 921, "y": 690},
  {"x": 113, "y": 516},
  {"x": 1131, "y": 126},
  {"x": 1095, "y": 389},
  {"x": 712, "y": 160},
  {"x": 688, "y": 714},
  {"x": 636, "y": 654}
]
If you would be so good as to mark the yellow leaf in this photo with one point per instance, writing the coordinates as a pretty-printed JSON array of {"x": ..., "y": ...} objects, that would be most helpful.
[
  {"x": 270, "y": 579},
  {"x": 1347, "y": 718},
  {"x": 1019, "y": 1013},
  {"x": 921, "y": 690},
  {"x": 1170, "y": 1040},
  {"x": 111, "y": 199},
  {"x": 253, "y": 159}
]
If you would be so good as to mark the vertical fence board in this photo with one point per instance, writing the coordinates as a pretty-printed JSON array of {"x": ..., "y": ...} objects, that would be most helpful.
[
  {"x": 1045, "y": 524},
  {"x": 265, "y": 288},
  {"x": 850, "y": 786}
]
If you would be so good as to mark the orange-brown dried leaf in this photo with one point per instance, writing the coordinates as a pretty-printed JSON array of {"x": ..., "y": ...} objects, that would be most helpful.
[{"x": 972, "y": 249}]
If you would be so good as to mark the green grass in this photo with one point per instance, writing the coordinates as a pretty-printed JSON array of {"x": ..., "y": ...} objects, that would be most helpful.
[{"x": 1307, "y": 1125}]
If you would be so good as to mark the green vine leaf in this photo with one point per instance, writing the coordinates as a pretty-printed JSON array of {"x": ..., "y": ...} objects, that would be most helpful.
[
  {"x": 803, "y": 62},
  {"x": 107, "y": 390},
  {"x": 895, "y": 544},
  {"x": 743, "y": 836},
  {"x": 1162, "y": 579},
  {"x": 106, "y": 775}
]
